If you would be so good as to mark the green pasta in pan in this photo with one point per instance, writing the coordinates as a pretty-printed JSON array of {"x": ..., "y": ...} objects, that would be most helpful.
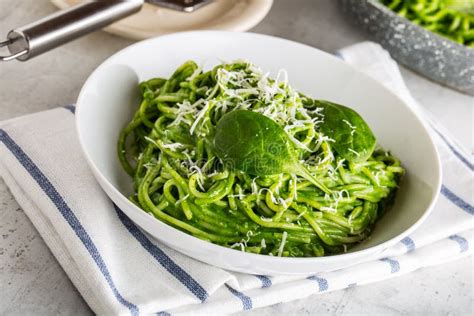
[
  {"x": 453, "y": 19},
  {"x": 236, "y": 158}
]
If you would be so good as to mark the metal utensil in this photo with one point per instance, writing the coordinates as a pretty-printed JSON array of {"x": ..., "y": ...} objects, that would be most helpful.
[{"x": 36, "y": 38}]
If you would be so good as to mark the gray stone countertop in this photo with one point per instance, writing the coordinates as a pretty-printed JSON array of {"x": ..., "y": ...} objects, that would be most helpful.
[{"x": 31, "y": 280}]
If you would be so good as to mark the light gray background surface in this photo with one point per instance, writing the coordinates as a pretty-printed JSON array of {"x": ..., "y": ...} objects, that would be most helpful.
[{"x": 31, "y": 280}]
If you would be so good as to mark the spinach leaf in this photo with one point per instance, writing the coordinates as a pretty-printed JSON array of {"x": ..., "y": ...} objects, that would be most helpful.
[
  {"x": 253, "y": 143},
  {"x": 354, "y": 141}
]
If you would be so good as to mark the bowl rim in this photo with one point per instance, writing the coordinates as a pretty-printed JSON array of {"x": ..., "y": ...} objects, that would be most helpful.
[{"x": 226, "y": 250}]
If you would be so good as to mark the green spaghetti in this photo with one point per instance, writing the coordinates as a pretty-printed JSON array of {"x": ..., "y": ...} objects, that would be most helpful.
[
  {"x": 453, "y": 19},
  {"x": 236, "y": 158}
]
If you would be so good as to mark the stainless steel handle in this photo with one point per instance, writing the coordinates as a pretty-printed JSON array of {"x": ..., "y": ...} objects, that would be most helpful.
[{"x": 36, "y": 38}]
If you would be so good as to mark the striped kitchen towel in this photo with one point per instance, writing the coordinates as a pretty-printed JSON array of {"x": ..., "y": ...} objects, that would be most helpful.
[{"x": 118, "y": 269}]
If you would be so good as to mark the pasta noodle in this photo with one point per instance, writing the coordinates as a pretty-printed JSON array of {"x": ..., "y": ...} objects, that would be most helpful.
[{"x": 178, "y": 178}]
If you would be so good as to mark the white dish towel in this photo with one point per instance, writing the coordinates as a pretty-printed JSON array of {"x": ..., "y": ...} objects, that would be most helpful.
[{"x": 118, "y": 269}]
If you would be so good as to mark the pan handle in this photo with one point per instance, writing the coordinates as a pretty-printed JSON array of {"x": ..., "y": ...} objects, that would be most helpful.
[{"x": 64, "y": 26}]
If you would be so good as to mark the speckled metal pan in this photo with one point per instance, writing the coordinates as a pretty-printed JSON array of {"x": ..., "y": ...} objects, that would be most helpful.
[{"x": 429, "y": 54}]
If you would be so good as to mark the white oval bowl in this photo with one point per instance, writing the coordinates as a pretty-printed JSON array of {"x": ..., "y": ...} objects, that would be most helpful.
[{"x": 110, "y": 96}]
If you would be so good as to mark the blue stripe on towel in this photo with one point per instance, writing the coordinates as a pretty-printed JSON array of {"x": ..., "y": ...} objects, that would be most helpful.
[
  {"x": 339, "y": 55},
  {"x": 460, "y": 156},
  {"x": 67, "y": 213},
  {"x": 163, "y": 313},
  {"x": 70, "y": 108},
  {"x": 450, "y": 195},
  {"x": 246, "y": 301},
  {"x": 163, "y": 259},
  {"x": 394, "y": 264},
  {"x": 266, "y": 282},
  {"x": 463, "y": 243},
  {"x": 157, "y": 253},
  {"x": 409, "y": 243},
  {"x": 322, "y": 283}
]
